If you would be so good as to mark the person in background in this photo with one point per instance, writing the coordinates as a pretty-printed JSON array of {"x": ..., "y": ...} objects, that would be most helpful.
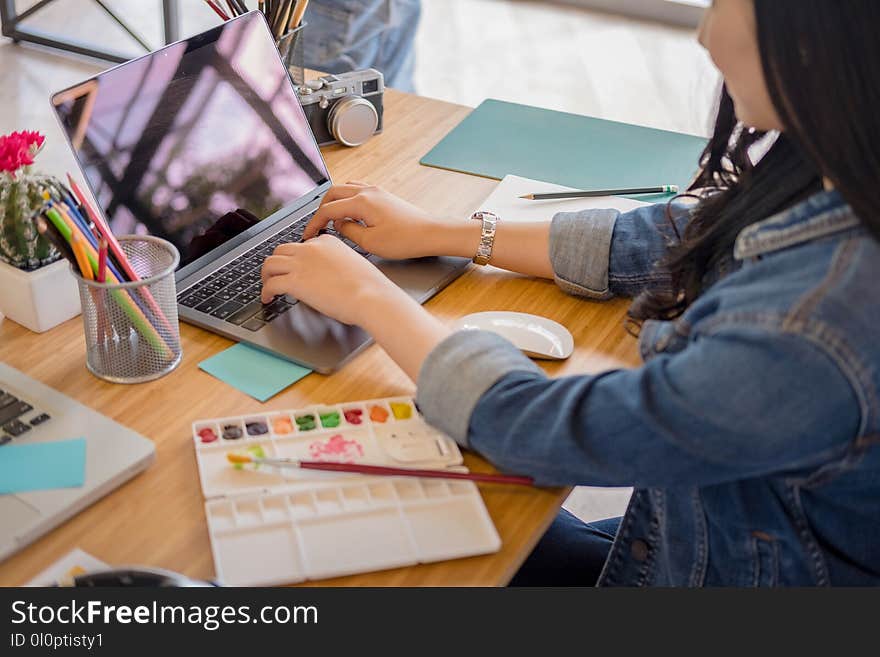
[{"x": 349, "y": 35}]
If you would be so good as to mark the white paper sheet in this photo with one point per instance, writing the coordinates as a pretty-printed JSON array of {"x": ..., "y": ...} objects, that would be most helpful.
[
  {"x": 505, "y": 201},
  {"x": 76, "y": 562}
]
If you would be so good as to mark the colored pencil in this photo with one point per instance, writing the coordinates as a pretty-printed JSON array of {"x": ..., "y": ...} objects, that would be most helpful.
[
  {"x": 119, "y": 254},
  {"x": 663, "y": 189},
  {"x": 88, "y": 238},
  {"x": 82, "y": 260},
  {"x": 102, "y": 261},
  {"x": 48, "y": 230},
  {"x": 359, "y": 468},
  {"x": 125, "y": 302}
]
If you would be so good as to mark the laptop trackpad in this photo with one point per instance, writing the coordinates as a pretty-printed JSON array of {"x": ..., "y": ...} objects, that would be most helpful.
[{"x": 16, "y": 516}]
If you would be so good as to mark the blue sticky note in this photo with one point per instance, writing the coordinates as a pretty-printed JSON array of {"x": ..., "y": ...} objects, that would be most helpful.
[
  {"x": 42, "y": 466},
  {"x": 254, "y": 372}
]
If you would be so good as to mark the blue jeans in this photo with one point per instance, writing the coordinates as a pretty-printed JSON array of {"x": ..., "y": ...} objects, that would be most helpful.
[
  {"x": 571, "y": 553},
  {"x": 348, "y": 35}
]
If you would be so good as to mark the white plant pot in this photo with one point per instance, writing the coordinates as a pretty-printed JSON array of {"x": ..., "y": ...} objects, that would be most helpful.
[{"x": 39, "y": 299}]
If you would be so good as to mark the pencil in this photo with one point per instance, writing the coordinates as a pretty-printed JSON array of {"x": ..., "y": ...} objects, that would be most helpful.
[
  {"x": 119, "y": 255},
  {"x": 127, "y": 303},
  {"x": 48, "y": 230},
  {"x": 82, "y": 260},
  {"x": 359, "y": 468},
  {"x": 663, "y": 189},
  {"x": 102, "y": 261}
]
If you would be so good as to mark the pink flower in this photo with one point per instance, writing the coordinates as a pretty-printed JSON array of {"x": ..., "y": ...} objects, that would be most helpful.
[{"x": 18, "y": 149}]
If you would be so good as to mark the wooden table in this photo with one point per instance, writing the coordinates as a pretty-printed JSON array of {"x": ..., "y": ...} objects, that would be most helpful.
[{"x": 158, "y": 518}]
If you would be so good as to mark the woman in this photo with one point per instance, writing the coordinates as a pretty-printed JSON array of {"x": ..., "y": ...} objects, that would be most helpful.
[{"x": 752, "y": 431}]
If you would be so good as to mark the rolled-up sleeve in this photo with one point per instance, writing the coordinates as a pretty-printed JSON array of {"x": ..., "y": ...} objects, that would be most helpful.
[
  {"x": 580, "y": 251},
  {"x": 599, "y": 254},
  {"x": 457, "y": 373}
]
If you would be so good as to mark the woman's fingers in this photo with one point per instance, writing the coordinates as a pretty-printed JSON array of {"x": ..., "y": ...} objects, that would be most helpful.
[
  {"x": 275, "y": 264},
  {"x": 274, "y": 286},
  {"x": 351, "y": 229},
  {"x": 342, "y": 191},
  {"x": 334, "y": 211}
]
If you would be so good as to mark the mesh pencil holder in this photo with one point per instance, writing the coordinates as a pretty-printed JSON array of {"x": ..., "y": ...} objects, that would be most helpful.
[
  {"x": 132, "y": 332},
  {"x": 292, "y": 49}
]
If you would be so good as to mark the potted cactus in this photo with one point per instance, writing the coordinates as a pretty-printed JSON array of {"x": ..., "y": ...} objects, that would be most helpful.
[{"x": 36, "y": 287}]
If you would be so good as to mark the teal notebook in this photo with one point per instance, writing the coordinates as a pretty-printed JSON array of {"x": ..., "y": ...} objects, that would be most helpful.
[{"x": 500, "y": 138}]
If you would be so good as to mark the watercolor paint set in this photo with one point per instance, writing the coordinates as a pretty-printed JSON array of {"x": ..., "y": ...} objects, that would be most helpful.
[{"x": 272, "y": 525}]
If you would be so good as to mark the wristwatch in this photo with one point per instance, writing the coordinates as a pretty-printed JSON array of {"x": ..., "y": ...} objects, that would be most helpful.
[{"x": 487, "y": 236}]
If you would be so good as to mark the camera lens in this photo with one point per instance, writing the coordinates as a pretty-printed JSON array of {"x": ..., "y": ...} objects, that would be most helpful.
[{"x": 352, "y": 120}]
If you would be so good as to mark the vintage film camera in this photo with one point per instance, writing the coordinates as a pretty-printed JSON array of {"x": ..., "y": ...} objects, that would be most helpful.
[{"x": 344, "y": 108}]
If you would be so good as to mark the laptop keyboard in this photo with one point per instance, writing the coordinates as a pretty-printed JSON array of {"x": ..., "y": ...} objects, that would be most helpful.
[
  {"x": 11, "y": 410},
  {"x": 232, "y": 293}
]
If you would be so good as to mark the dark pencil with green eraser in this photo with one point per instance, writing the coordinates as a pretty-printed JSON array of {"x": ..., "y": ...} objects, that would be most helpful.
[{"x": 662, "y": 189}]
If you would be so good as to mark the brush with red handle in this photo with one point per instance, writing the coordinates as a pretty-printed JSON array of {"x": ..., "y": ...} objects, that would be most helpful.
[{"x": 239, "y": 458}]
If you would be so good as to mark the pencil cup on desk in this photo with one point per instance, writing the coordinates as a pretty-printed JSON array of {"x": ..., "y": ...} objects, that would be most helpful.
[
  {"x": 132, "y": 331},
  {"x": 292, "y": 49}
]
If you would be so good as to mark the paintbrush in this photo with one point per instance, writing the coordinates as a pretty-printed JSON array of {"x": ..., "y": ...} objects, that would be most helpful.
[
  {"x": 239, "y": 458},
  {"x": 298, "y": 14}
]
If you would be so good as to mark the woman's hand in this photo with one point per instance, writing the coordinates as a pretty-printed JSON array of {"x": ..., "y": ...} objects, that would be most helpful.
[
  {"x": 333, "y": 279},
  {"x": 388, "y": 226},
  {"x": 328, "y": 276}
]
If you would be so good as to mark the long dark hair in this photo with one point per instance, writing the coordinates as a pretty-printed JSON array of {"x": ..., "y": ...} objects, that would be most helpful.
[{"x": 821, "y": 61}]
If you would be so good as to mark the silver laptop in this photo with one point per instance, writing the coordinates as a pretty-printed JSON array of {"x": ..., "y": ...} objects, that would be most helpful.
[
  {"x": 204, "y": 143},
  {"x": 31, "y": 412}
]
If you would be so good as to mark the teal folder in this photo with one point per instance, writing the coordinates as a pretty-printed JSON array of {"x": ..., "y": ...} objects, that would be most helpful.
[{"x": 500, "y": 138}]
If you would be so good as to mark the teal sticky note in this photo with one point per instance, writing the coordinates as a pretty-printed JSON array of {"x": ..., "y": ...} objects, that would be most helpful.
[
  {"x": 500, "y": 138},
  {"x": 254, "y": 372},
  {"x": 42, "y": 466}
]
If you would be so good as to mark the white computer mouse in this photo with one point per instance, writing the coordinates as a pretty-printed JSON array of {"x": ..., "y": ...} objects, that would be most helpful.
[{"x": 536, "y": 336}]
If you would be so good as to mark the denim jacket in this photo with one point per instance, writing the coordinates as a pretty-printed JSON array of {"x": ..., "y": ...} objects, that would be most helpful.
[
  {"x": 347, "y": 35},
  {"x": 752, "y": 430}
]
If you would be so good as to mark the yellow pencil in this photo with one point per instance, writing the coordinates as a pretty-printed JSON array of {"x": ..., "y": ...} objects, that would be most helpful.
[
  {"x": 68, "y": 229},
  {"x": 76, "y": 243}
]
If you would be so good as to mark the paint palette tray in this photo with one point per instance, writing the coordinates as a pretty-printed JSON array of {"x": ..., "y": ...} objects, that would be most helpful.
[
  {"x": 272, "y": 525},
  {"x": 387, "y": 432},
  {"x": 345, "y": 529}
]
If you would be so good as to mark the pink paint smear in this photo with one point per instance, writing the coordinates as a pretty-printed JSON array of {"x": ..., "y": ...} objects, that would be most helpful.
[{"x": 336, "y": 449}]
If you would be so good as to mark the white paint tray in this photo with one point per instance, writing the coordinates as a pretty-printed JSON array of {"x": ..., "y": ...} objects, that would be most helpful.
[{"x": 283, "y": 525}]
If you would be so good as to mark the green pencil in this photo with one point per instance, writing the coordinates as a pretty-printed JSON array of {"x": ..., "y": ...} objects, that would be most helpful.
[{"x": 125, "y": 302}]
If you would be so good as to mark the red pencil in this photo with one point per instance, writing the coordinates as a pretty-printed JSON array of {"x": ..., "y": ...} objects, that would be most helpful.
[
  {"x": 118, "y": 253},
  {"x": 102, "y": 261},
  {"x": 238, "y": 457}
]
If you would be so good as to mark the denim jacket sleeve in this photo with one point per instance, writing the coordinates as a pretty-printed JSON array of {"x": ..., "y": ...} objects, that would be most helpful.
[
  {"x": 603, "y": 253},
  {"x": 673, "y": 421}
]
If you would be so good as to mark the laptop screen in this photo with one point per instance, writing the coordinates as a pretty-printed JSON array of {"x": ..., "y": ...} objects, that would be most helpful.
[{"x": 197, "y": 142}]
